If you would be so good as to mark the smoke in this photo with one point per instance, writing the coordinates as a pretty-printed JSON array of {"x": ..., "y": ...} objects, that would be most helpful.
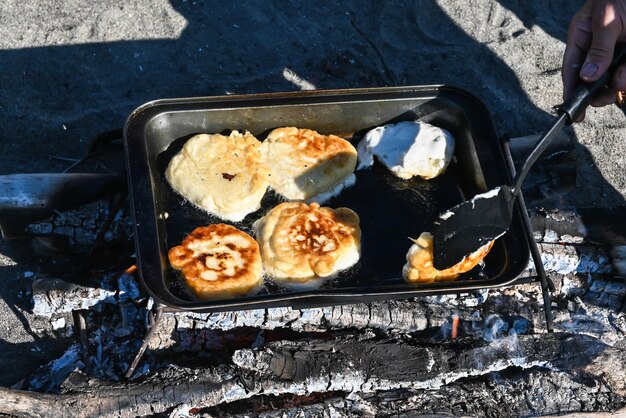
[
  {"x": 493, "y": 328},
  {"x": 490, "y": 329},
  {"x": 446, "y": 329},
  {"x": 502, "y": 340}
]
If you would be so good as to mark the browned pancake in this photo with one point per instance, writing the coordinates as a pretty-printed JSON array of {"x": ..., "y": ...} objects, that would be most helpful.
[
  {"x": 219, "y": 261},
  {"x": 305, "y": 163},
  {"x": 420, "y": 268},
  {"x": 302, "y": 243}
]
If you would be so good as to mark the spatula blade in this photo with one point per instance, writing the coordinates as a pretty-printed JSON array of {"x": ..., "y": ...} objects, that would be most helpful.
[{"x": 468, "y": 226}]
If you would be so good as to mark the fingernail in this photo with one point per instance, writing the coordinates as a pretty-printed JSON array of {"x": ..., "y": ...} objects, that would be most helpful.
[{"x": 589, "y": 70}]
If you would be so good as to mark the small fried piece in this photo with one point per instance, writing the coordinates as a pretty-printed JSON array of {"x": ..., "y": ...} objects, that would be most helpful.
[{"x": 420, "y": 269}]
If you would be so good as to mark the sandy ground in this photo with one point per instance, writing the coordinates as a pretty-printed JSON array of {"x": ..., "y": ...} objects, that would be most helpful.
[{"x": 71, "y": 69}]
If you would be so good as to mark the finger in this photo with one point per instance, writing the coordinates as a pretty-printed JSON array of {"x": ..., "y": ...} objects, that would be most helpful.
[
  {"x": 578, "y": 42},
  {"x": 606, "y": 28}
]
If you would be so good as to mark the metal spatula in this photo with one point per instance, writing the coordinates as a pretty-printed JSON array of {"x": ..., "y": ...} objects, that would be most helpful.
[{"x": 470, "y": 225}]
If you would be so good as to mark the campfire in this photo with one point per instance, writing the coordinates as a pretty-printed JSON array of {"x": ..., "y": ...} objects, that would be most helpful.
[{"x": 549, "y": 342}]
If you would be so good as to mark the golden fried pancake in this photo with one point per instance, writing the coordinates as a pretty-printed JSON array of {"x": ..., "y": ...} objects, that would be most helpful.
[
  {"x": 219, "y": 261},
  {"x": 420, "y": 269},
  {"x": 302, "y": 244},
  {"x": 223, "y": 175},
  {"x": 305, "y": 163}
]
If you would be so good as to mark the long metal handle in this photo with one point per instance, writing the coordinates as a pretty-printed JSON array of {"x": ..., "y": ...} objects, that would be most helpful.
[{"x": 540, "y": 147}]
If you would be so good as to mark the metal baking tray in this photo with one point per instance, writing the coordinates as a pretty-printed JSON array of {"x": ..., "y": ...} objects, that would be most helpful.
[{"x": 391, "y": 209}]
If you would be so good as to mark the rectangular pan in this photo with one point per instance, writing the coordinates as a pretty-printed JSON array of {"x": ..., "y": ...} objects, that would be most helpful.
[{"x": 391, "y": 209}]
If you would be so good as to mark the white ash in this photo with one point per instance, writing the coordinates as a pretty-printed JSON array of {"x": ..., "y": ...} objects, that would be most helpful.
[
  {"x": 380, "y": 315},
  {"x": 561, "y": 259},
  {"x": 550, "y": 236},
  {"x": 115, "y": 320},
  {"x": 82, "y": 225},
  {"x": 467, "y": 300},
  {"x": 565, "y": 259},
  {"x": 599, "y": 322},
  {"x": 52, "y": 296},
  {"x": 353, "y": 380},
  {"x": 574, "y": 222},
  {"x": 110, "y": 354},
  {"x": 58, "y": 323},
  {"x": 51, "y": 375},
  {"x": 573, "y": 285}
]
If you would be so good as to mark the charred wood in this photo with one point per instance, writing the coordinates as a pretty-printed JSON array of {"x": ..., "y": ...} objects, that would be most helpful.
[
  {"x": 520, "y": 393},
  {"x": 364, "y": 366},
  {"x": 580, "y": 370}
]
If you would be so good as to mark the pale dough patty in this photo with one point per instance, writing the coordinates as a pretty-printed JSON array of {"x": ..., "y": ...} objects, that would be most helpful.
[
  {"x": 408, "y": 149},
  {"x": 420, "y": 268},
  {"x": 305, "y": 163},
  {"x": 302, "y": 244},
  {"x": 223, "y": 175},
  {"x": 219, "y": 262}
]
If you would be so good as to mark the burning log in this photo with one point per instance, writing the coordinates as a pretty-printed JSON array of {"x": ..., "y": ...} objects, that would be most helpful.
[
  {"x": 566, "y": 365},
  {"x": 355, "y": 366},
  {"x": 533, "y": 392},
  {"x": 404, "y": 316}
]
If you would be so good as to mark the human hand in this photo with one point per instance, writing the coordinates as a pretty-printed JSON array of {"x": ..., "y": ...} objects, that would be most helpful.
[{"x": 591, "y": 39}]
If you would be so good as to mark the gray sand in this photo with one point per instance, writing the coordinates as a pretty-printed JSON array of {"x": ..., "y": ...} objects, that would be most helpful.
[{"x": 70, "y": 70}]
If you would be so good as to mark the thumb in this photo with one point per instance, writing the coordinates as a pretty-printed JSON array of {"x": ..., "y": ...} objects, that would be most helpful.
[{"x": 606, "y": 29}]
